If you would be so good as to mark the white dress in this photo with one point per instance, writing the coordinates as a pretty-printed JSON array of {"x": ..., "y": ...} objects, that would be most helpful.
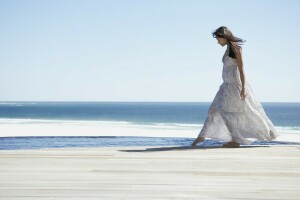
[{"x": 232, "y": 119}]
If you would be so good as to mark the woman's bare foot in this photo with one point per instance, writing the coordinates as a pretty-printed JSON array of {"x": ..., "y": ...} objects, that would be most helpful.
[
  {"x": 197, "y": 140},
  {"x": 231, "y": 144}
]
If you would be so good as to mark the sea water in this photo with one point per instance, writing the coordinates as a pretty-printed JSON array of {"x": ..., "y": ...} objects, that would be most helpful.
[{"x": 144, "y": 115}]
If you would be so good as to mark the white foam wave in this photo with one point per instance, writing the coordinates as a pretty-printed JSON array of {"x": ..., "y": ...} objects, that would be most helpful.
[
  {"x": 288, "y": 128},
  {"x": 102, "y": 124},
  {"x": 98, "y": 129},
  {"x": 107, "y": 123},
  {"x": 57, "y": 121}
]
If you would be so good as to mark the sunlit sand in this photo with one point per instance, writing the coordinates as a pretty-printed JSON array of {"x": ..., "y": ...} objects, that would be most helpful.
[{"x": 256, "y": 172}]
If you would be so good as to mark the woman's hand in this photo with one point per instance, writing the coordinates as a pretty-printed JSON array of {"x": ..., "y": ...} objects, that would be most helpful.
[{"x": 243, "y": 94}]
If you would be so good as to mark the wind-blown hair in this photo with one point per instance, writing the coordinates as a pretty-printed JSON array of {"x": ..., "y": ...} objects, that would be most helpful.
[{"x": 234, "y": 43}]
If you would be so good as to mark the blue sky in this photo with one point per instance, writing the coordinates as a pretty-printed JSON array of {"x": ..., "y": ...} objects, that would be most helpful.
[{"x": 141, "y": 50}]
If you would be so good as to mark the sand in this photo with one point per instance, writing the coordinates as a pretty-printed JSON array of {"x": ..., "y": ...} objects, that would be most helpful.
[{"x": 137, "y": 173}]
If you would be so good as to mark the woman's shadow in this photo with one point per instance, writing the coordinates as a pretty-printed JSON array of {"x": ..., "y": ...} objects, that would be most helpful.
[
  {"x": 214, "y": 146},
  {"x": 180, "y": 148}
]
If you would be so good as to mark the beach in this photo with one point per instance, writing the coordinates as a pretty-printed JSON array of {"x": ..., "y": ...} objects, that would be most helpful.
[
  {"x": 249, "y": 172},
  {"x": 61, "y": 150}
]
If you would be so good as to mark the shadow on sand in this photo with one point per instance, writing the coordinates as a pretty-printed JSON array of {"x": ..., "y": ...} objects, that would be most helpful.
[{"x": 186, "y": 148}]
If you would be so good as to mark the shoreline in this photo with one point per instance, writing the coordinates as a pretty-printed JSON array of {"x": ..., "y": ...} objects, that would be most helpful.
[{"x": 61, "y": 142}]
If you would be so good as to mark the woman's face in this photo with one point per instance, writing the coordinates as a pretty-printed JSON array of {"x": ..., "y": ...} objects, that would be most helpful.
[{"x": 222, "y": 41}]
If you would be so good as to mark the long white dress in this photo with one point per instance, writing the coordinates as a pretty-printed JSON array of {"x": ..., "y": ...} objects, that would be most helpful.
[{"x": 232, "y": 119}]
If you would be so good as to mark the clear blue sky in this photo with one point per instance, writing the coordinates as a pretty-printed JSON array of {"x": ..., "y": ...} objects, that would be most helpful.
[{"x": 142, "y": 50}]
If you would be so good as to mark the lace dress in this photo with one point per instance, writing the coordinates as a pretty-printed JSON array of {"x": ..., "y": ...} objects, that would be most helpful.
[{"x": 232, "y": 119}]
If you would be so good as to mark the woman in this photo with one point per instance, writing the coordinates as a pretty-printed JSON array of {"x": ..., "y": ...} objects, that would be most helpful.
[{"x": 235, "y": 115}]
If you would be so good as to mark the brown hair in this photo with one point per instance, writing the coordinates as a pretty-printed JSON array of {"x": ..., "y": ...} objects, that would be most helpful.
[{"x": 233, "y": 42}]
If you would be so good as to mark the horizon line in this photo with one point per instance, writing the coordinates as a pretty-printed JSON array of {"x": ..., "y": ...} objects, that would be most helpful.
[{"x": 57, "y": 101}]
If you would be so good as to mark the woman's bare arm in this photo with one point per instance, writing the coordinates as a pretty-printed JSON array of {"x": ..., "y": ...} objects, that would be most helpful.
[{"x": 241, "y": 70}]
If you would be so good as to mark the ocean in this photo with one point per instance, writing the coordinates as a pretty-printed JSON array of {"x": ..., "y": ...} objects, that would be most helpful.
[{"x": 17, "y": 120}]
